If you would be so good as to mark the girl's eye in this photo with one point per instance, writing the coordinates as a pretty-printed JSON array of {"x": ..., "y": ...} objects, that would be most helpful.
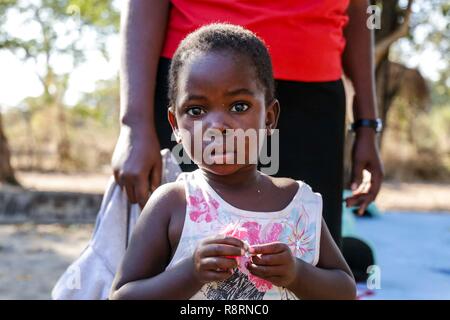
[
  {"x": 195, "y": 111},
  {"x": 240, "y": 107}
]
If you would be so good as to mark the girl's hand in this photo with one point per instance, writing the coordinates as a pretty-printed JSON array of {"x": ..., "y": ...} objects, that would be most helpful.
[
  {"x": 273, "y": 262},
  {"x": 214, "y": 258}
]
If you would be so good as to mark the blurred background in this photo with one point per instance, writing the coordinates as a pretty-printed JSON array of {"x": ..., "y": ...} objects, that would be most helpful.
[{"x": 59, "y": 121}]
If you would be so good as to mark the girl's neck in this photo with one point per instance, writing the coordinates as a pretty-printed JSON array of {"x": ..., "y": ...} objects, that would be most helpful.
[{"x": 242, "y": 179}]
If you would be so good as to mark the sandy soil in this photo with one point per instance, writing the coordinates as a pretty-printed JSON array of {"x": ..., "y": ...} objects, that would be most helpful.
[
  {"x": 34, "y": 256},
  {"x": 89, "y": 182},
  {"x": 416, "y": 196}
]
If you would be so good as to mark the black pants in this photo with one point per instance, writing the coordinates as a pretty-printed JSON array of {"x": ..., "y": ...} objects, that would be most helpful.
[{"x": 311, "y": 124}]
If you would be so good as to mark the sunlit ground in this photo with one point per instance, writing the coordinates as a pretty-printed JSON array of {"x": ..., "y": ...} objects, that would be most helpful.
[{"x": 34, "y": 256}]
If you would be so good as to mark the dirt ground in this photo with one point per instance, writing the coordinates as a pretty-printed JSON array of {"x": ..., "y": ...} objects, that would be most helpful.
[
  {"x": 394, "y": 196},
  {"x": 32, "y": 257}
]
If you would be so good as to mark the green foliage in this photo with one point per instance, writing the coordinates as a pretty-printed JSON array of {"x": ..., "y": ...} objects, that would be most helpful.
[{"x": 60, "y": 28}]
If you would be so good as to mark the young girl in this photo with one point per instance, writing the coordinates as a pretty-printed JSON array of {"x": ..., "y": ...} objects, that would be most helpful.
[{"x": 226, "y": 230}]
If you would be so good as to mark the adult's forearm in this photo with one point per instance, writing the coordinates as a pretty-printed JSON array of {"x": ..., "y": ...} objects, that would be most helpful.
[
  {"x": 358, "y": 60},
  {"x": 178, "y": 282},
  {"x": 316, "y": 283},
  {"x": 142, "y": 36}
]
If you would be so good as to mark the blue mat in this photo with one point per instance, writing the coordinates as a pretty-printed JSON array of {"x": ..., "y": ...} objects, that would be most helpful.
[{"x": 413, "y": 253}]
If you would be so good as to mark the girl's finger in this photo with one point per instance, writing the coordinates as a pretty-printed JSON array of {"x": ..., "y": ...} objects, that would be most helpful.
[
  {"x": 268, "y": 248},
  {"x": 225, "y": 240},
  {"x": 210, "y": 276},
  {"x": 270, "y": 259},
  {"x": 218, "y": 263},
  {"x": 265, "y": 271},
  {"x": 221, "y": 250}
]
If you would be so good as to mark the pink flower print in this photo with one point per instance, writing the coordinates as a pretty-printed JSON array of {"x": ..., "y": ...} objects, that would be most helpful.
[
  {"x": 271, "y": 232},
  {"x": 200, "y": 209},
  {"x": 253, "y": 230},
  {"x": 252, "y": 233},
  {"x": 236, "y": 231}
]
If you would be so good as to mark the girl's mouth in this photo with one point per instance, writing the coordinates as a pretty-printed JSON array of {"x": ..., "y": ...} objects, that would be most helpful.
[{"x": 222, "y": 157}]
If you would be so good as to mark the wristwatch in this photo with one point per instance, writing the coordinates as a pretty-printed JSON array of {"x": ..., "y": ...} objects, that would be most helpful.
[{"x": 375, "y": 124}]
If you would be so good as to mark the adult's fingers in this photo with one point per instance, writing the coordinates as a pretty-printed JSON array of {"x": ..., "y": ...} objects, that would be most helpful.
[
  {"x": 361, "y": 201},
  {"x": 128, "y": 183},
  {"x": 357, "y": 174},
  {"x": 375, "y": 181},
  {"x": 375, "y": 185},
  {"x": 155, "y": 175},
  {"x": 366, "y": 200},
  {"x": 116, "y": 177},
  {"x": 215, "y": 250},
  {"x": 141, "y": 190}
]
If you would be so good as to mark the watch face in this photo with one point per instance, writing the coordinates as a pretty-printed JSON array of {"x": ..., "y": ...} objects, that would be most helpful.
[{"x": 379, "y": 126}]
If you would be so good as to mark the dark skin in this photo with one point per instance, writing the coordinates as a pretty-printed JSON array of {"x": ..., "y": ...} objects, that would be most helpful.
[
  {"x": 142, "y": 274},
  {"x": 358, "y": 64},
  {"x": 137, "y": 160}
]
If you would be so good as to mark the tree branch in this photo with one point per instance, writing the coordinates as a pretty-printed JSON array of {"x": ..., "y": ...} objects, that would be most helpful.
[{"x": 382, "y": 47}]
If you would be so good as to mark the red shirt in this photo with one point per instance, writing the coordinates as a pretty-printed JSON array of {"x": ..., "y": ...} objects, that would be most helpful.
[{"x": 304, "y": 37}]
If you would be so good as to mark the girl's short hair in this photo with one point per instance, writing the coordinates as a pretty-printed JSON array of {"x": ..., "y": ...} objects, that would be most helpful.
[{"x": 227, "y": 37}]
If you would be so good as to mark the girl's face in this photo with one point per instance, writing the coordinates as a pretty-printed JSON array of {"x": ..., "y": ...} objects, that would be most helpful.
[{"x": 219, "y": 91}]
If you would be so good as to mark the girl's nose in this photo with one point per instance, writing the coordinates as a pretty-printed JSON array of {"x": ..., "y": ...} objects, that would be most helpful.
[{"x": 218, "y": 121}]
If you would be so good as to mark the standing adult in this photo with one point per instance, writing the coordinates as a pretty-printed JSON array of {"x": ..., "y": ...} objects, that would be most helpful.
[{"x": 311, "y": 42}]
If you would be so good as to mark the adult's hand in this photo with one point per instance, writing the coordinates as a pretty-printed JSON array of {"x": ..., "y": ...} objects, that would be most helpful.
[
  {"x": 365, "y": 155},
  {"x": 137, "y": 163}
]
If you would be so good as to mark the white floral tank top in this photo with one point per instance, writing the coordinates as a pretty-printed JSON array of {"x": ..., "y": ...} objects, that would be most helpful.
[{"x": 207, "y": 214}]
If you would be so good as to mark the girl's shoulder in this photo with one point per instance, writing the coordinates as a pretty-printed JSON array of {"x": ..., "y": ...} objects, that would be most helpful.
[
  {"x": 168, "y": 199},
  {"x": 167, "y": 206},
  {"x": 283, "y": 183},
  {"x": 291, "y": 187}
]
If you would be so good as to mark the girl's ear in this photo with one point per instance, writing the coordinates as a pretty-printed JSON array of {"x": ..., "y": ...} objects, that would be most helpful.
[
  {"x": 272, "y": 115},
  {"x": 173, "y": 123}
]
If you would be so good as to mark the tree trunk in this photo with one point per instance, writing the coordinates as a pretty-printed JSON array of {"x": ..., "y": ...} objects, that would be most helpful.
[{"x": 6, "y": 171}]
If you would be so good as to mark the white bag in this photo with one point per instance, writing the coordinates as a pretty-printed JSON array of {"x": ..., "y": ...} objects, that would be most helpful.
[{"x": 90, "y": 276}]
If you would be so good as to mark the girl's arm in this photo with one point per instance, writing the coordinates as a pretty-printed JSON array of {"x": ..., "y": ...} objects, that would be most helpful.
[
  {"x": 141, "y": 274},
  {"x": 330, "y": 279}
]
